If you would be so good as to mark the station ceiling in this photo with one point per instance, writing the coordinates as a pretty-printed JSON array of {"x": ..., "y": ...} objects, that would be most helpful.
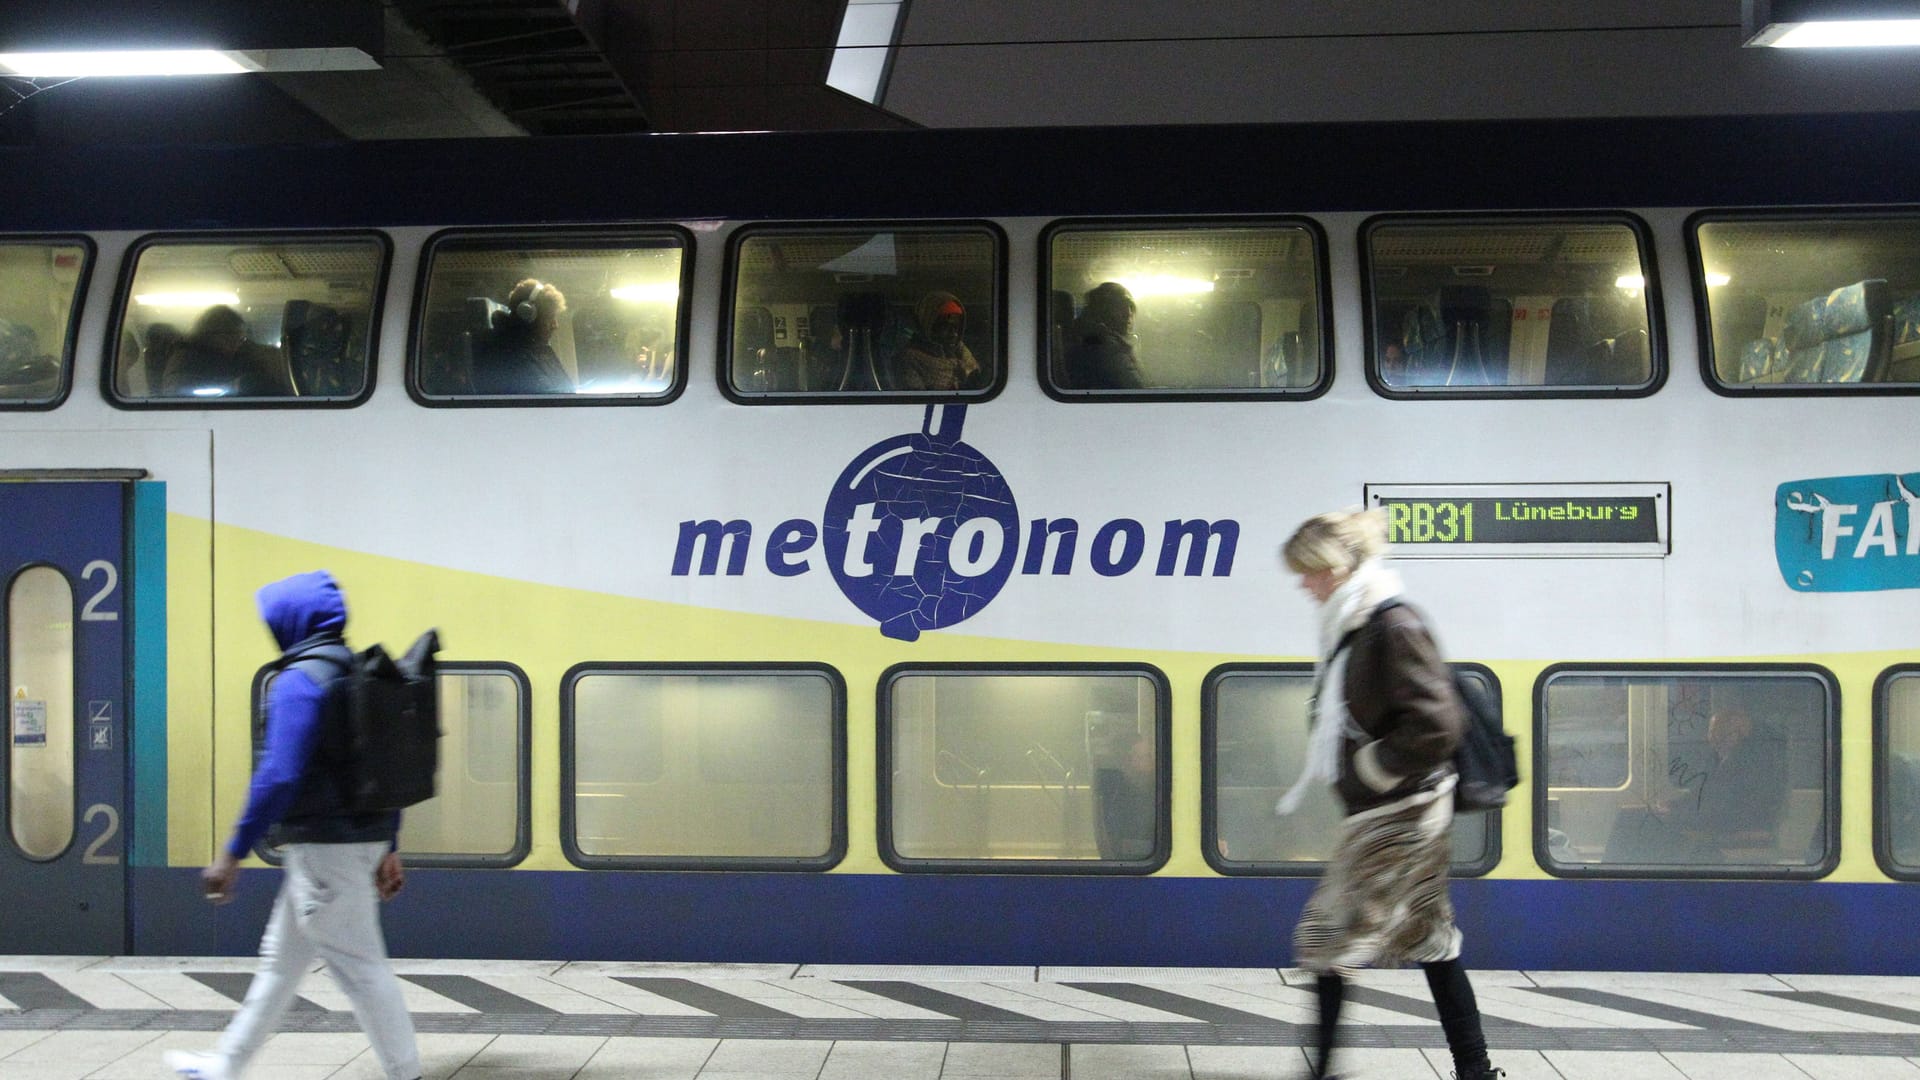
[{"x": 463, "y": 68}]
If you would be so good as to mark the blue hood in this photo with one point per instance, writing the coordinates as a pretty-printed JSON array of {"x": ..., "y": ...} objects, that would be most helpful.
[{"x": 302, "y": 606}]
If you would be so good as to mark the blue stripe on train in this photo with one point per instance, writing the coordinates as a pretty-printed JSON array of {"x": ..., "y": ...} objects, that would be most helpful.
[{"x": 1157, "y": 921}]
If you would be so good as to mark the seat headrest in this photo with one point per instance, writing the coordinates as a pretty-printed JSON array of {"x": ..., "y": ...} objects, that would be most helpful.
[{"x": 1850, "y": 309}]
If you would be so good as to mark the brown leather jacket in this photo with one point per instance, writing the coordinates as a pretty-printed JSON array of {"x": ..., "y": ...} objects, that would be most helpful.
[{"x": 1401, "y": 694}]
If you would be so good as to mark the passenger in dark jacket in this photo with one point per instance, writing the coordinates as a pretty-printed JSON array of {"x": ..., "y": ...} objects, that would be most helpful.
[
  {"x": 1100, "y": 344},
  {"x": 1385, "y": 723},
  {"x": 518, "y": 356},
  {"x": 339, "y": 864}
]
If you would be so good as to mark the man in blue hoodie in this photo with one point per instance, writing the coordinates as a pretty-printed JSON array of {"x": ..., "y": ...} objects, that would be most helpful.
[{"x": 339, "y": 864}]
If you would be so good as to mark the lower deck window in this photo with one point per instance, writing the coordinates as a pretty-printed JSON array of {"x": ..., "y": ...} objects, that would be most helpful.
[
  {"x": 1897, "y": 731},
  {"x": 695, "y": 767},
  {"x": 1702, "y": 772},
  {"x": 1255, "y": 743},
  {"x": 1050, "y": 768}
]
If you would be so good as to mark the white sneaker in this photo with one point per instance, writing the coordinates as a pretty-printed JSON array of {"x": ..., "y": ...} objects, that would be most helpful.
[{"x": 197, "y": 1064}]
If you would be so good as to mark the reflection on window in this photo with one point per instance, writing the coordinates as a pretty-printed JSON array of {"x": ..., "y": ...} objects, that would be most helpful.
[
  {"x": 707, "y": 765},
  {"x": 39, "y": 294},
  {"x": 39, "y": 630},
  {"x": 1720, "y": 771},
  {"x": 476, "y": 810},
  {"x": 1536, "y": 305},
  {"x": 259, "y": 320},
  {"x": 582, "y": 317},
  {"x": 1033, "y": 767},
  {"x": 1260, "y": 744},
  {"x": 899, "y": 310},
  {"x": 1834, "y": 302},
  {"x": 1183, "y": 309},
  {"x": 1902, "y": 797}
]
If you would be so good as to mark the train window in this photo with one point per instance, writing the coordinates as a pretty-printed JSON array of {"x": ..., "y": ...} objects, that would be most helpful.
[
  {"x": 1712, "y": 771},
  {"x": 41, "y": 283},
  {"x": 259, "y": 320},
  {"x": 703, "y": 766},
  {"x": 1793, "y": 304},
  {"x": 40, "y": 777},
  {"x": 1254, "y": 739},
  {"x": 479, "y": 814},
  {"x": 1182, "y": 310},
  {"x": 1896, "y": 724},
  {"x": 871, "y": 312},
  {"x": 480, "y": 810},
  {"x": 1034, "y": 768},
  {"x": 1476, "y": 308},
  {"x": 556, "y": 318}
]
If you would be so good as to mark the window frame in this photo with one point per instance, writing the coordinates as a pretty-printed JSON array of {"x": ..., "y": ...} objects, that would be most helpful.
[
  {"x": 1703, "y": 316},
  {"x": 1644, "y": 241},
  {"x": 123, "y": 296},
  {"x": 502, "y": 238},
  {"x": 1163, "y": 771},
  {"x": 1830, "y": 797},
  {"x": 1323, "y": 310},
  {"x": 730, "y": 285},
  {"x": 1883, "y": 773},
  {"x": 836, "y": 703},
  {"x": 69, "y": 348},
  {"x": 1210, "y": 779},
  {"x": 523, "y": 781}
]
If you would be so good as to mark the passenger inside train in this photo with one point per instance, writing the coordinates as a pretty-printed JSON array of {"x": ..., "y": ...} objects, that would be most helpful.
[
  {"x": 1509, "y": 306},
  {"x": 907, "y": 311},
  {"x": 218, "y": 357},
  {"x": 514, "y": 354},
  {"x": 1187, "y": 310}
]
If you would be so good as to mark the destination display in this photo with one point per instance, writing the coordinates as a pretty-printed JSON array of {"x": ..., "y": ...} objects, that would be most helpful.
[{"x": 1524, "y": 520}]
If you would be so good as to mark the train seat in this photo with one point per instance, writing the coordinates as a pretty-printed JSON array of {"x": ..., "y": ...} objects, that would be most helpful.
[
  {"x": 1466, "y": 312},
  {"x": 477, "y": 318},
  {"x": 315, "y": 338},
  {"x": 1760, "y": 361},
  {"x": 1059, "y": 323},
  {"x": 753, "y": 351},
  {"x": 1903, "y": 359},
  {"x": 1424, "y": 337},
  {"x": 25, "y": 371},
  {"x": 1840, "y": 337}
]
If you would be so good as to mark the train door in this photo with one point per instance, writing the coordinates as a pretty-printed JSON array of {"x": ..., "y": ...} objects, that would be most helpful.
[{"x": 63, "y": 762}]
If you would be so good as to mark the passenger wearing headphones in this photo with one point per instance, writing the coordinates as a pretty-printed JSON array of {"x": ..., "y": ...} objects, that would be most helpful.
[{"x": 518, "y": 357}]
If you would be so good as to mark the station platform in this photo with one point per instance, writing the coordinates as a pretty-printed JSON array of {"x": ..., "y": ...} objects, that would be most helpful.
[{"x": 69, "y": 1018}]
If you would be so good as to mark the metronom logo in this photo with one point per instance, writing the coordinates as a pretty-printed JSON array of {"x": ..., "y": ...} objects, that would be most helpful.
[{"x": 921, "y": 531}]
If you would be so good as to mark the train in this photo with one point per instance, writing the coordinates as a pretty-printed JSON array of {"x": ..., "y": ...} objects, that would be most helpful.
[{"x": 861, "y": 547}]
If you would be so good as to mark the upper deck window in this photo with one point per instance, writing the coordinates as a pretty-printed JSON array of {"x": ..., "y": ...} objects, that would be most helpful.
[
  {"x": 1810, "y": 305},
  {"x": 1479, "y": 308},
  {"x": 1183, "y": 310},
  {"x": 573, "y": 318},
  {"x": 40, "y": 287},
  {"x": 265, "y": 320},
  {"x": 887, "y": 311}
]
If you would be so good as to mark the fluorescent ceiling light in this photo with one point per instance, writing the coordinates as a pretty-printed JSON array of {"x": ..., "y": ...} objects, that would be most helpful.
[
  {"x": 1165, "y": 285},
  {"x": 1840, "y": 34},
  {"x": 110, "y": 63},
  {"x": 665, "y": 292},
  {"x": 54, "y": 65},
  {"x": 1716, "y": 279},
  {"x": 185, "y": 299},
  {"x": 860, "y": 54},
  {"x": 1630, "y": 281}
]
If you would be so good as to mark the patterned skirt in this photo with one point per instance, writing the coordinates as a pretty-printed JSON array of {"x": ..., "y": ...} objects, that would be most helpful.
[{"x": 1383, "y": 900}]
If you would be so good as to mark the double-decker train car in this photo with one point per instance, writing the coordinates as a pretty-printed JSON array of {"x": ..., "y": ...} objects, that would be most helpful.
[{"x": 862, "y": 547}]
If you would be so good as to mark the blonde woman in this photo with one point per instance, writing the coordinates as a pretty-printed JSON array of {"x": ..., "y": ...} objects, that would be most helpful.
[{"x": 1385, "y": 722}]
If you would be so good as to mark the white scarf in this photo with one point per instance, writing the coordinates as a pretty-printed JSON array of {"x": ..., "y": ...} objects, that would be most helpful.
[{"x": 1349, "y": 608}]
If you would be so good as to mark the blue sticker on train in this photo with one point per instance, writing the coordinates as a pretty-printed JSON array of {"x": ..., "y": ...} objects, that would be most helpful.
[
  {"x": 921, "y": 531},
  {"x": 1849, "y": 533}
]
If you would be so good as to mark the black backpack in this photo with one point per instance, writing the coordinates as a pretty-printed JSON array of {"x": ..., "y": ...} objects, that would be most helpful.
[
  {"x": 1485, "y": 760},
  {"x": 389, "y": 741}
]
